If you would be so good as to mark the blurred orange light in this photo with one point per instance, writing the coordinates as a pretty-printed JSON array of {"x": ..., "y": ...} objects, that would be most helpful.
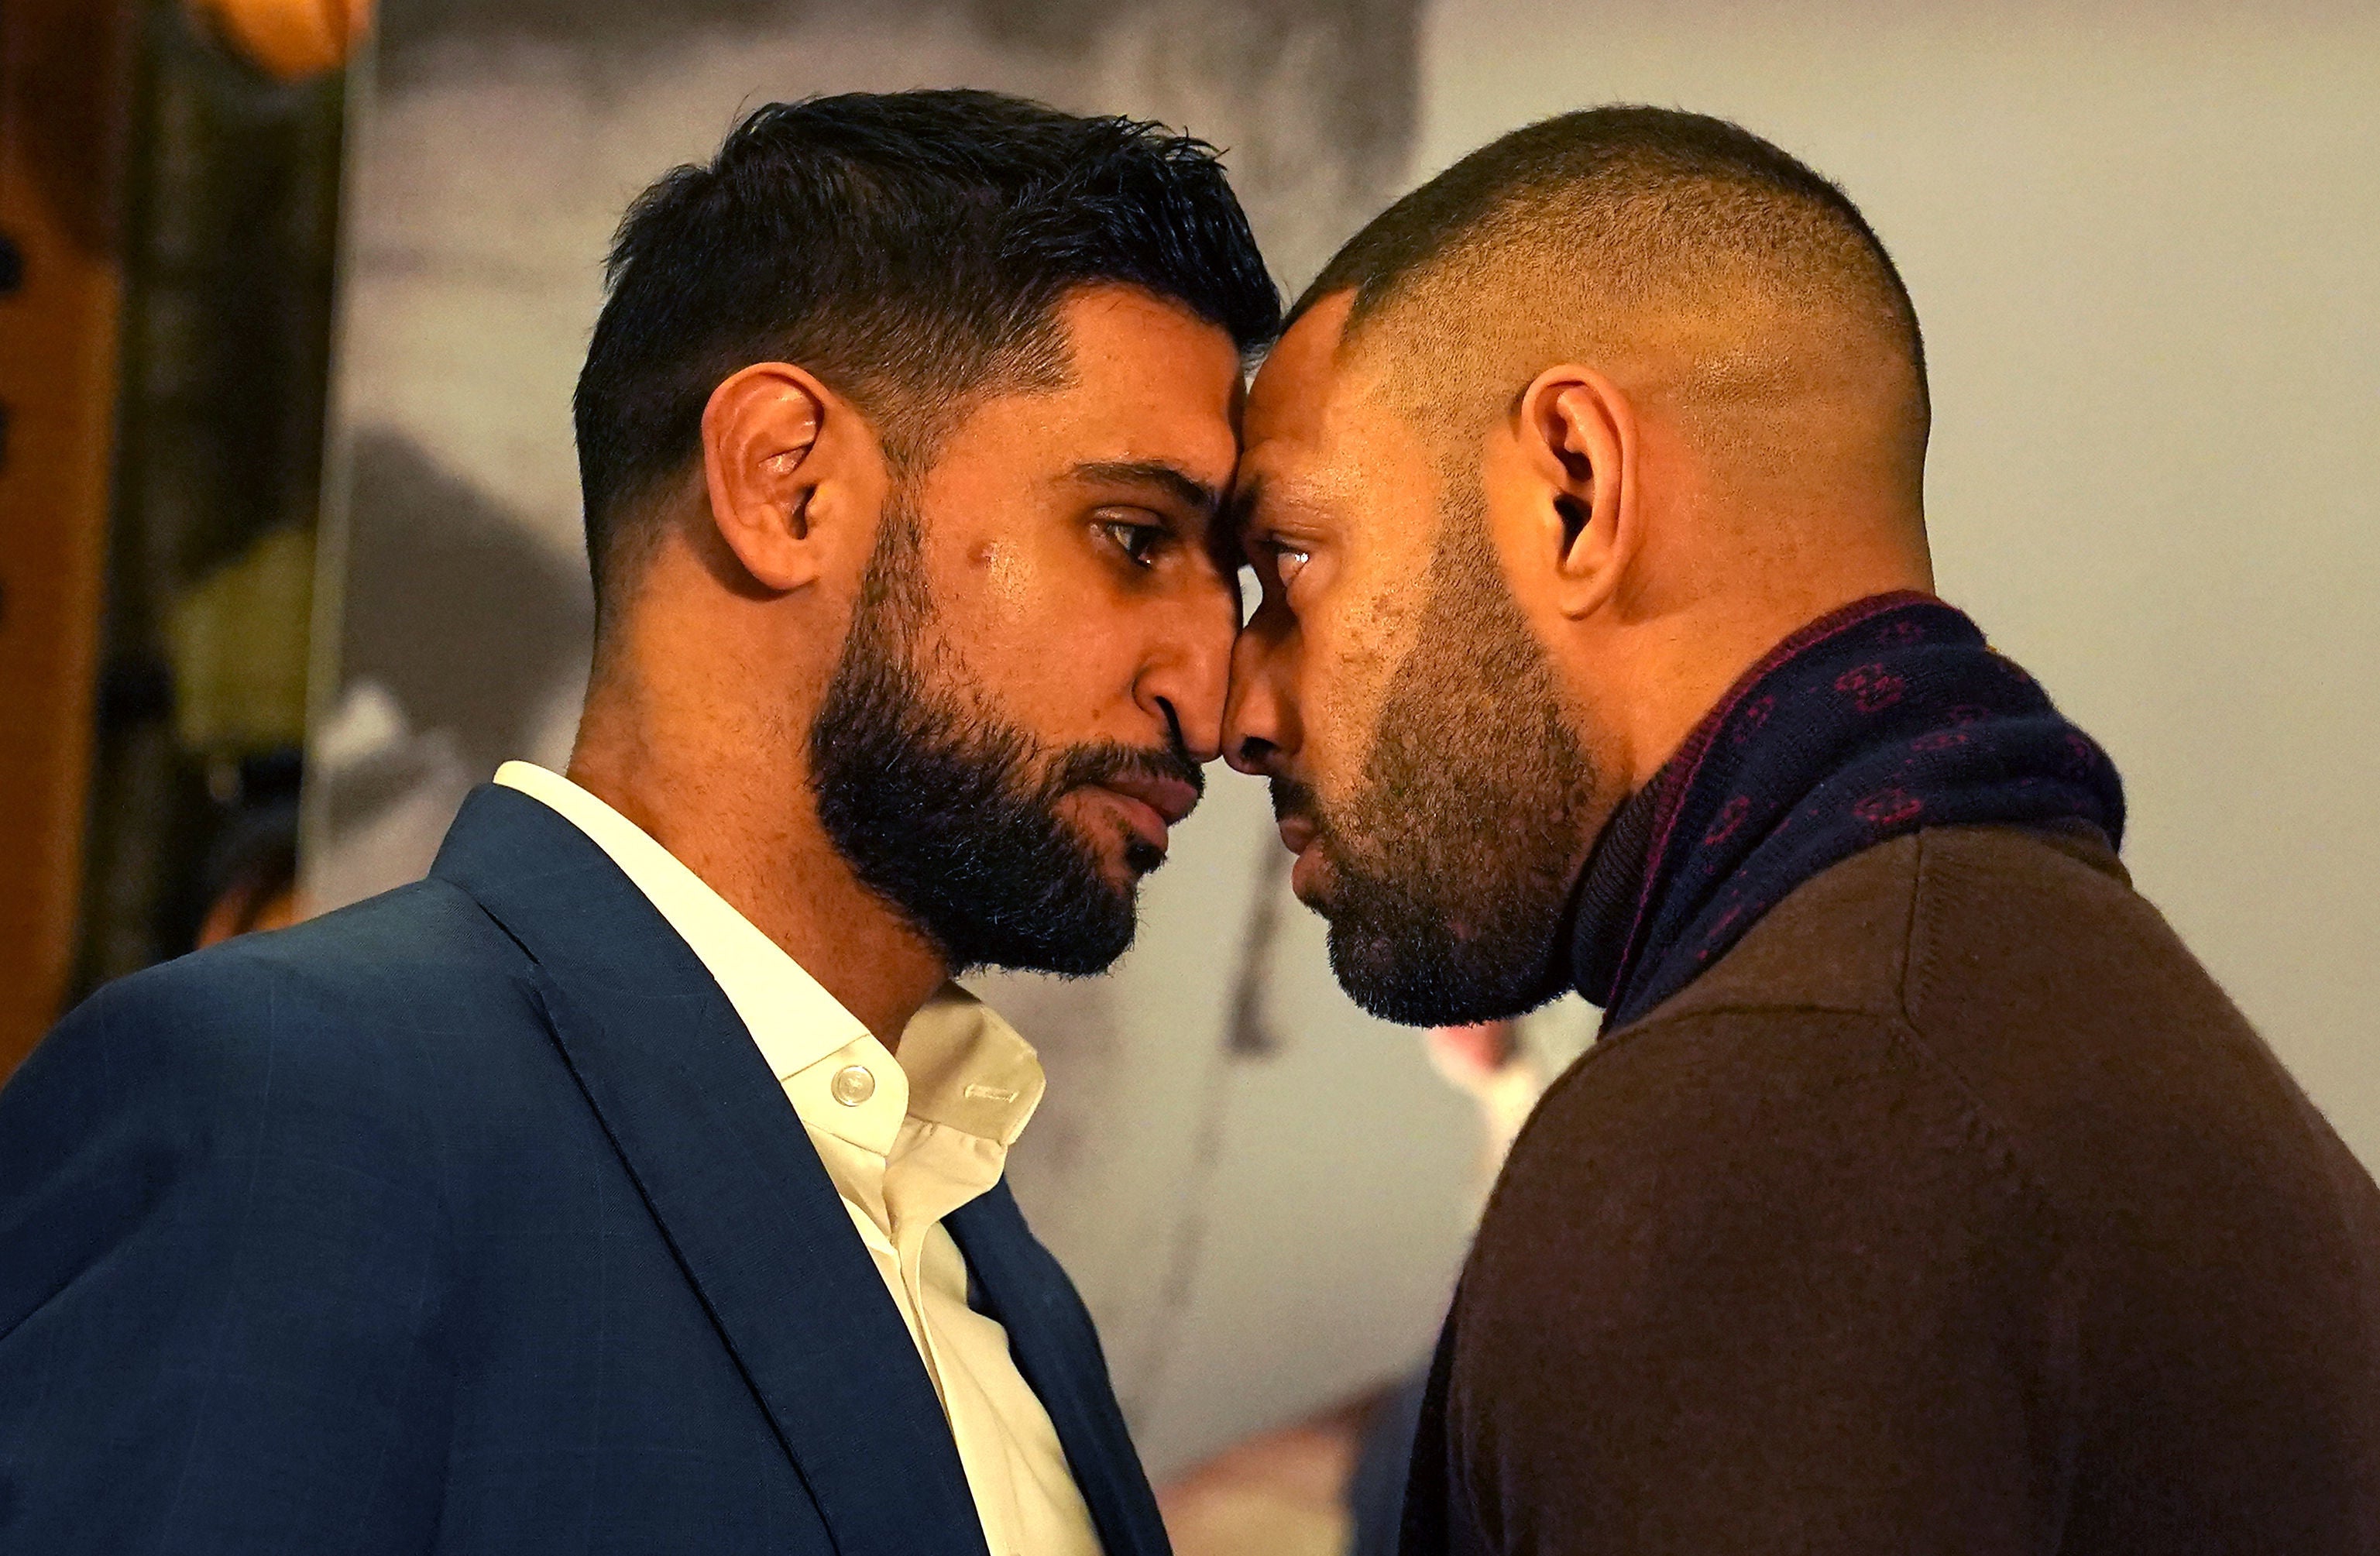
[{"x": 291, "y": 39}]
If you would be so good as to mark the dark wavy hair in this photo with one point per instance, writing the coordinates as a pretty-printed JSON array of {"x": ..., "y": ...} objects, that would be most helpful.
[{"x": 909, "y": 249}]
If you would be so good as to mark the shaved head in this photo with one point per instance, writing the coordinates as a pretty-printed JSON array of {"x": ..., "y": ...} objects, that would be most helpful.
[{"x": 1713, "y": 275}]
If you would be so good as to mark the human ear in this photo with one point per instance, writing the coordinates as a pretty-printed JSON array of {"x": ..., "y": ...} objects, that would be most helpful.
[
  {"x": 1577, "y": 434},
  {"x": 760, "y": 434}
]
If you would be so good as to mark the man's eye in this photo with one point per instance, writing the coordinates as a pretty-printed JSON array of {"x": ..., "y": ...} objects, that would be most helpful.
[
  {"x": 1137, "y": 541},
  {"x": 1287, "y": 561}
]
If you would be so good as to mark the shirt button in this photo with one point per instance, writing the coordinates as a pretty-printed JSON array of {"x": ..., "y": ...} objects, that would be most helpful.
[{"x": 852, "y": 1085}]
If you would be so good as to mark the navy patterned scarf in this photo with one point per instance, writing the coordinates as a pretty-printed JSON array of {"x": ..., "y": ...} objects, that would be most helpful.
[{"x": 1890, "y": 715}]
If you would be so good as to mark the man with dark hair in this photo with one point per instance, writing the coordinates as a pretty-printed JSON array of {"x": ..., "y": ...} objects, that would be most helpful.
[
  {"x": 1922, "y": 1193},
  {"x": 633, "y": 1182}
]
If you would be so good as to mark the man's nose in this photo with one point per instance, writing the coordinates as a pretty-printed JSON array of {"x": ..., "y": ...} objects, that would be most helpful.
[
  {"x": 1185, "y": 682},
  {"x": 1260, "y": 718}
]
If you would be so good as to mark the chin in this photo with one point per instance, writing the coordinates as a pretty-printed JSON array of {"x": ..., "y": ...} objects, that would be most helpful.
[
  {"x": 1125, "y": 856},
  {"x": 1419, "y": 974}
]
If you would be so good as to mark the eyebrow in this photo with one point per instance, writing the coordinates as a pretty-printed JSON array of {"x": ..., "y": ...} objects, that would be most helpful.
[{"x": 1175, "y": 482}]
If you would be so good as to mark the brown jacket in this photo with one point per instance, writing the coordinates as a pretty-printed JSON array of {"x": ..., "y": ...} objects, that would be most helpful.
[{"x": 1956, "y": 1209}]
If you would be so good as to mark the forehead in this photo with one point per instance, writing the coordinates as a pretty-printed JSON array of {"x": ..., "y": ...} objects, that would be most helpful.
[
  {"x": 1294, "y": 399},
  {"x": 1322, "y": 433},
  {"x": 1147, "y": 380}
]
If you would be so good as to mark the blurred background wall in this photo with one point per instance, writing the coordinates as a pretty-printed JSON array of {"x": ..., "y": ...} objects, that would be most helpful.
[{"x": 2144, "y": 243}]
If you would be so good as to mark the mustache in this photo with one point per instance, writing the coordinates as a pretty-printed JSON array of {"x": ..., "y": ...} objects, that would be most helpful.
[
  {"x": 1107, "y": 760},
  {"x": 1290, "y": 797}
]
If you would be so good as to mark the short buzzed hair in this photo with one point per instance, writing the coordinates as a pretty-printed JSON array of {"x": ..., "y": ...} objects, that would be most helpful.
[
  {"x": 1595, "y": 226},
  {"x": 911, "y": 248}
]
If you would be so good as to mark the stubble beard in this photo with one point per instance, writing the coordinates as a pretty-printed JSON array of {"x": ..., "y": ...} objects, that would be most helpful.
[{"x": 1449, "y": 868}]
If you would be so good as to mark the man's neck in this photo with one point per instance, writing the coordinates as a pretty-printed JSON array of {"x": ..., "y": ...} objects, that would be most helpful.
[
  {"x": 1679, "y": 671},
  {"x": 748, "y": 827}
]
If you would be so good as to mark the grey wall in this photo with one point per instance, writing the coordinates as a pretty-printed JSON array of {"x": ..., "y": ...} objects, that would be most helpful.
[{"x": 2144, "y": 241}]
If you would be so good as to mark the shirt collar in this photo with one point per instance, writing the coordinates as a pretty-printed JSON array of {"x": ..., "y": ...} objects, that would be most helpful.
[
  {"x": 969, "y": 1069},
  {"x": 966, "y": 1067}
]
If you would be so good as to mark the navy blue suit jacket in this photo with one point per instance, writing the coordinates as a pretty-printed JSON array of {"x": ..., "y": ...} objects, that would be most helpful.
[{"x": 469, "y": 1219}]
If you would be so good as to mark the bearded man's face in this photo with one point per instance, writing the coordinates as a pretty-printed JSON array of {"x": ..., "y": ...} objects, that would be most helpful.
[
  {"x": 1390, "y": 688},
  {"x": 1445, "y": 867},
  {"x": 950, "y": 810},
  {"x": 1039, "y": 645}
]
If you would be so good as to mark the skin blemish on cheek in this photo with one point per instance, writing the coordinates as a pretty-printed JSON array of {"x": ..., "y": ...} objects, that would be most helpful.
[{"x": 1006, "y": 573}]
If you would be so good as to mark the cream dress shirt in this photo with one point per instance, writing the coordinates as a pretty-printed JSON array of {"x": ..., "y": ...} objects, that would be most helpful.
[{"x": 906, "y": 1141}]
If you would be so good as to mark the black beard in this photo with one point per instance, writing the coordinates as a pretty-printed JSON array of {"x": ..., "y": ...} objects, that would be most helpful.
[
  {"x": 1451, "y": 865},
  {"x": 951, "y": 815}
]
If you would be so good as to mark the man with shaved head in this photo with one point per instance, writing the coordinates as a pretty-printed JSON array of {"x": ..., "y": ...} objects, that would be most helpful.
[{"x": 1922, "y": 1193}]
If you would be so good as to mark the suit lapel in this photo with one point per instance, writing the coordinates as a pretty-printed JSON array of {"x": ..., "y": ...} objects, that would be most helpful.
[
  {"x": 730, "y": 1176},
  {"x": 1055, "y": 1347}
]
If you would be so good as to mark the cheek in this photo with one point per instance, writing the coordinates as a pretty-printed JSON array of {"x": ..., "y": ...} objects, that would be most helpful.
[
  {"x": 1004, "y": 578},
  {"x": 1369, "y": 635},
  {"x": 1348, "y": 666},
  {"x": 1001, "y": 603},
  {"x": 1037, "y": 639}
]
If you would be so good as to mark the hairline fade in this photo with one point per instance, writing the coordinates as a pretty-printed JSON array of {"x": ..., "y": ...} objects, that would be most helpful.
[
  {"x": 912, "y": 250},
  {"x": 1654, "y": 213}
]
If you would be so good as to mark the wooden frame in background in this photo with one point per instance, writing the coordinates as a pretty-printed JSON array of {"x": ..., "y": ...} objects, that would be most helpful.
[{"x": 65, "y": 89}]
